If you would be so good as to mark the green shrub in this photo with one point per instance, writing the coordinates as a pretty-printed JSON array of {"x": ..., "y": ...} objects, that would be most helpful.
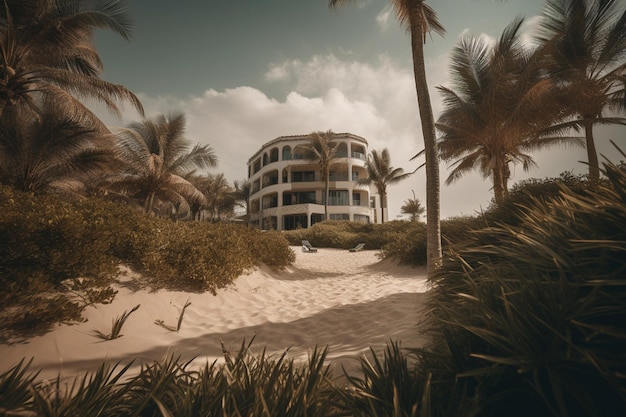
[
  {"x": 59, "y": 255},
  {"x": 54, "y": 259},
  {"x": 343, "y": 234},
  {"x": 43, "y": 234},
  {"x": 406, "y": 244},
  {"x": 388, "y": 386},
  {"x": 531, "y": 312},
  {"x": 271, "y": 249}
]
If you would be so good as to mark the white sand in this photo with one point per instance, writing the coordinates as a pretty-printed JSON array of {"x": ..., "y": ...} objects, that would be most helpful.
[{"x": 346, "y": 301}]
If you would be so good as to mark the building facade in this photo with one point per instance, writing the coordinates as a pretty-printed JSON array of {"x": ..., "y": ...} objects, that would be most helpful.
[{"x": 287, "y": 191}]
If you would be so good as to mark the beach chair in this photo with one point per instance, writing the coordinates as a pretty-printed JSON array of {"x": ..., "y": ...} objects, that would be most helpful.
[
  {"x": 306, "y": 247},
  {"x": 358, "y": 247}
]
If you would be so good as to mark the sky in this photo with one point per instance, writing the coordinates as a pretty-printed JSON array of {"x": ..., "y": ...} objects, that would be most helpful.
[{"x": 244, "y": 72}]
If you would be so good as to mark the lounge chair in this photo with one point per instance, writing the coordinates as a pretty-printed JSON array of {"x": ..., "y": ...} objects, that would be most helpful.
[
  {"x": 306, "y": 247},
  {"x": 358, "y": 247}
]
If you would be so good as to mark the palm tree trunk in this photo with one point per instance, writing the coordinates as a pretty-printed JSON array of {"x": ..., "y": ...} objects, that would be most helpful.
[
  {"x": 433, "y": 228},
  {"x": 592, "y": 155},
  {"x": 383, "y": 200},
  {"x": 326, "y": 191},
  {"x": 498, "y": 185}
]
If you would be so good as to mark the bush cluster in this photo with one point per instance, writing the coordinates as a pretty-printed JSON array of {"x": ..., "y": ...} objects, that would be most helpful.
[
  {"x": 529, "y": 315},
  {"x": 403, "y": 241},
  {"x": 526, "y": 317},
  {"x": 337, "y": 234},
  {"x": 59, "y": 255}
]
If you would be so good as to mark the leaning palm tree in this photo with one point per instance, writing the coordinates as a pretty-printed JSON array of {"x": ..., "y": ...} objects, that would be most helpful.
[
  {"x": 380, "y": 173},
  {"x": 588, "y": 55},
  {"x": 321, "y": 148},
  {"x": 157, "y": 159},
  {"x": 498, "y": 108},
  {"x": 46, "y": 51},
  {"x": 420, "y": 19}
]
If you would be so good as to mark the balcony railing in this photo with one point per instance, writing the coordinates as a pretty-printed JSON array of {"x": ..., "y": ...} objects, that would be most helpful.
[
  {"x": 358, "y": 155},
  {"x": 270, "y": 181},
  {"x": 302, "y": 202}
]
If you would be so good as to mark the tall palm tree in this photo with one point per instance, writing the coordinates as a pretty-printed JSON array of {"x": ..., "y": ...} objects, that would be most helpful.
[
  {"x": 321, "y": 148},
  {"x": 499, "y": 107},
  {"x": 59, "y": 151},
  {"x": 46, "y": 51},
  {"x": 157, "y": 160},
  {"x": 420, "y": 19},
  {"x": 380, "y": 173},
  {"x": 588, "y": 55},
  {"x": 413, "y": 207}
]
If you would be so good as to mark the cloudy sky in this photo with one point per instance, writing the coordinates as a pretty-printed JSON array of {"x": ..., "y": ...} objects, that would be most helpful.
[{"x": 247, "y": 71}]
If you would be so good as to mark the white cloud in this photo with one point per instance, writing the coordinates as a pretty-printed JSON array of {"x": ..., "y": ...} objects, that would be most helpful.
[
  {"x": 382, "y": 19},
  {"x": 376, "y": 101}
]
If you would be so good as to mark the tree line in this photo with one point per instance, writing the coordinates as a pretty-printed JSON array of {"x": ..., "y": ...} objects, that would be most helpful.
[{"x": 506, "y": 101}]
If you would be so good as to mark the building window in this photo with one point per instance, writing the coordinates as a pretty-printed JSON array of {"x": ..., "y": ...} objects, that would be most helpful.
[
  {"x": 303, "y": 176},
  {"x": 356, "y": 199},
  {"x": 342, "y": 150},
  {"x": 290, "y": 199},
  {"x": 338, "y": 198},
  {"x": 294, "y": 221},
  {"x": 286, "y": 153},
  {"x": 340, "y": 217},
  {"x": 361, "y": 218},
  {"x": 338, "y": 176},
  {"x": 274, "y": 155},
  {"x": 316, "y": 218},
  {"x": 270, "y": 202},
  {"x": 269, "y": 223}
]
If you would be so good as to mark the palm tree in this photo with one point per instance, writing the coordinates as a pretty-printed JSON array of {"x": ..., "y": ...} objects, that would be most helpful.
[
  {"x": 242, "y": 195},
  {"x": 321, "y": 148},
  {"x": 59, "y": 151},
  {"x": 220, "y": 197},
  {"x": 497, "y": 111},
  {"x": 381, "y": 174},
  {"x": 157, "y": 160},
  {"x": 420, "y": 19},
  {"x": 46, "y": 53},
  {"x": 588, "y": 55},
  {"x": 413, "y": 208}
]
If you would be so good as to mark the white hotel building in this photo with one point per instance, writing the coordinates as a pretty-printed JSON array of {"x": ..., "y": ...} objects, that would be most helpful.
[{"x": 287, "y": 191}]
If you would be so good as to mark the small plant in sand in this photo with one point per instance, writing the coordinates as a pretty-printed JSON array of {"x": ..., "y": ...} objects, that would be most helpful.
[
  {"x": 161, "y": 323},
  {"x": 116, "y": 328}
]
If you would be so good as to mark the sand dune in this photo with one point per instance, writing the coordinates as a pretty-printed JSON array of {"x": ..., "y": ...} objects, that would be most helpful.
[{"x": 346, "y": 301}]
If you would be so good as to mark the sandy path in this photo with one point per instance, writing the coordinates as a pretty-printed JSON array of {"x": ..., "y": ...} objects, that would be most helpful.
[{"x": 346, "y": 301}]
